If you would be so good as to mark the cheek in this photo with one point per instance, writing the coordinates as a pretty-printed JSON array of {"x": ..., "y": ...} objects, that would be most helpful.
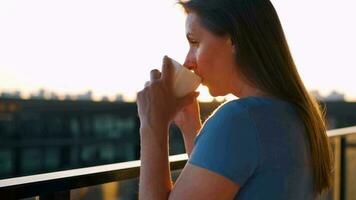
[{"x": 205, "y": 59}]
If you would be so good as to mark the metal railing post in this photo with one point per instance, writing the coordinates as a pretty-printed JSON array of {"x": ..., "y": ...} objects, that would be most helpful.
[
  {"x": 337, "y": 172},
  {"x": 343, "y": 168}
]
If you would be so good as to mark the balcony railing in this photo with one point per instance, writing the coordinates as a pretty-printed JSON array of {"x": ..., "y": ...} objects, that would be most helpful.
[{"x": 58, "y": 185}]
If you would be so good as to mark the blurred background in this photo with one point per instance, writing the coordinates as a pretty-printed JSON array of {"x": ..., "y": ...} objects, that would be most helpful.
[{"x": 70, "y": 71}]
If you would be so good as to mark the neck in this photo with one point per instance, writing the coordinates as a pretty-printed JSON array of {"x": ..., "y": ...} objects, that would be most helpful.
[{"x": 244, "y": 89}]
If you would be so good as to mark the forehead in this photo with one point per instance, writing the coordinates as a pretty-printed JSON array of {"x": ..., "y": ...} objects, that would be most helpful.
[
  {"x": 192, "y": 24},
  {"x": 194, "y": 28}
]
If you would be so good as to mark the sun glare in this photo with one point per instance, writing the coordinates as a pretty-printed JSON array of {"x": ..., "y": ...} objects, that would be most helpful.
[{"x": 108, "y": 49}]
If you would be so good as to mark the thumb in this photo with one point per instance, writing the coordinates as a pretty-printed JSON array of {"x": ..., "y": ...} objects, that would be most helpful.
[{"x": 188, "y": 99}]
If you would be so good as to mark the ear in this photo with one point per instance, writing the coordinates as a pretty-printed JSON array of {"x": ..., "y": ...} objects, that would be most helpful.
[
  {"x": 231, "y": 44},
  {"x": 233, "y": 47}
]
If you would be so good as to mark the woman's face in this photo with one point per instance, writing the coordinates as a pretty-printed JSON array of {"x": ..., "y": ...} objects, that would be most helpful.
[{"x": 211, "y": 57}]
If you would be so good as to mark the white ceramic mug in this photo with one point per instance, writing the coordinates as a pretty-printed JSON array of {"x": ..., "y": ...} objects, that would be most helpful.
[{"x": 184, "y": 81}]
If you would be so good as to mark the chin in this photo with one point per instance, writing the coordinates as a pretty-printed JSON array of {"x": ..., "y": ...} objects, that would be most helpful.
[{"x": 215, "y": 93}]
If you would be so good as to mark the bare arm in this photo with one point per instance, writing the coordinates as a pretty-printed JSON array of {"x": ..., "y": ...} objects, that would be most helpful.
[
  {"x": 189, "y": 122},
  {"x": 193, "y": 183},
  {"x": 198, "y": 183},
  {"x": 189, "y": 135},
  {"x": 155, "y": 177},
  {"x": 157, "y": 106}
]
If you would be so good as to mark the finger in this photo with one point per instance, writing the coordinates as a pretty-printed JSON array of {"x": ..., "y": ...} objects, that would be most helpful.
[
  {"x": 155, "y": 74},
  {"x": 188, "y": 99},
  {"x": 167, "y": 70}
]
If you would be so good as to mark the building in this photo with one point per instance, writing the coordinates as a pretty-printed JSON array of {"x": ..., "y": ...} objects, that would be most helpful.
[{"x": 38, "y": 136}]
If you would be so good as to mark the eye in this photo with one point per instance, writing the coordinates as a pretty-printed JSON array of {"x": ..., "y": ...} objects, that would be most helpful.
[{"x": 193, "y": 42}]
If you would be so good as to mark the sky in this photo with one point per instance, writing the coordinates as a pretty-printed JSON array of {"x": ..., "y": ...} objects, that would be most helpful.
[{"x": 110, "y": 46}]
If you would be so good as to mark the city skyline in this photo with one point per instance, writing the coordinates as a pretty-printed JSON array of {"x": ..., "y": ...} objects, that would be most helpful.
[
  {"x": 71, "y": 47},
  {"x": 90, "y": 96}
]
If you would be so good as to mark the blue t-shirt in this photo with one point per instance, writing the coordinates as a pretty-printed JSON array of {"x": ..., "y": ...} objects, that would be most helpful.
[{"x": 260, "y": 144}]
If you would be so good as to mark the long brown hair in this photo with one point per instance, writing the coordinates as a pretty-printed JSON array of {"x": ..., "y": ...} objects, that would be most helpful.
[{"x": 263, "y": 56}]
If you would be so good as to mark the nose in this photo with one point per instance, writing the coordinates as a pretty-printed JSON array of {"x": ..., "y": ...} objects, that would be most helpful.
[{"x": 190, "y": 60}]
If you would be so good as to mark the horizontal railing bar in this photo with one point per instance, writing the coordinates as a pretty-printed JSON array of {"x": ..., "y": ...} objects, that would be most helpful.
[
  {"x": 13, "y": 143},
  {"x": 28, "y": 186},
  {"x": 341, "y": 131},
  {"x": 69, "y": 173}
]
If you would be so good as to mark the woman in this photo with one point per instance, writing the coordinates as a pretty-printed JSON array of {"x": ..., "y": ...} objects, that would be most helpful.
[{"x": 270, "y": 143}]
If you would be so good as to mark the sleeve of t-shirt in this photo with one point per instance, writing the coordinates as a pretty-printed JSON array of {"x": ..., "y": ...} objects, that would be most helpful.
[{"x": 228, "y": 144}]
